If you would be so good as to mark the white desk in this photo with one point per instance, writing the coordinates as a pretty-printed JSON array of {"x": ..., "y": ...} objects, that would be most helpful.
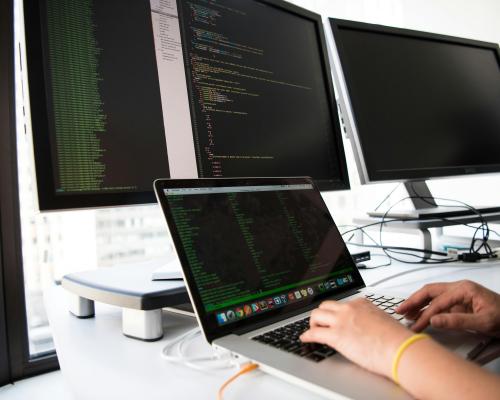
[{"x": 98, "y": 362}]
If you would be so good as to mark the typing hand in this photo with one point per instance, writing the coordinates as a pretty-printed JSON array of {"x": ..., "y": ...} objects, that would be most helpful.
[
  {"x": 358, "y": 330},
  {"x": 462, "y": 305}
]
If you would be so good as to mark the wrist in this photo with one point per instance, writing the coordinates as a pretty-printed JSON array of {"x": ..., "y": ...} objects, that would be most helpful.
[
  {"x": 392, "y": 348},
  {"x": 405, "y": 346}
]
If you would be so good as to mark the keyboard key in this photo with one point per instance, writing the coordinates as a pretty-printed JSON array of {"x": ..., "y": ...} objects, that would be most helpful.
[
  {"x": 292, "y": 347},
  {"x": 304, "y": 351}
]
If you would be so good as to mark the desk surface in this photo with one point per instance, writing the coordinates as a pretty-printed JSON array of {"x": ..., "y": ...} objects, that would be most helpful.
[{"x": 98, "y": 362}]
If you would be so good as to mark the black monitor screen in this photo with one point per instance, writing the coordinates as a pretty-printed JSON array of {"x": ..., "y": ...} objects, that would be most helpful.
[
  {"x": 424, "y": 105},
  {"x": 111, "y": 101},
  {"x": 260, "y": 91},
  {"x": 98, "y": 127}
]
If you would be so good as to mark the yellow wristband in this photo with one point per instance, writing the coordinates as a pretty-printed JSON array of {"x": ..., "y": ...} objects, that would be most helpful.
[{"x": 397, "y": 357}]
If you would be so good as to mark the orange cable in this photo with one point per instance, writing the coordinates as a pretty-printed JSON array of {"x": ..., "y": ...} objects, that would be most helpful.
[{"x": 247, "y": 368}]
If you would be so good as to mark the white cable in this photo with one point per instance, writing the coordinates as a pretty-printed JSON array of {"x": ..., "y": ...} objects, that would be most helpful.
[{"x": 201, "y": 363}]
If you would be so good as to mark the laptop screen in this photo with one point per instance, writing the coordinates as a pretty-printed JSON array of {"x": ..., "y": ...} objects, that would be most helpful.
[{"x": 253, "y": 250}]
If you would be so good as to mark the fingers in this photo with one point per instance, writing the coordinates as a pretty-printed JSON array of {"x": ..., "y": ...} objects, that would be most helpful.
[
  {"x": 321, "y": 317},
  {"x": 330, "y": 305},
  {"x": 440, "y": 304},
  {"x": 459, "y": 321},
  {"x": 421, "y": 298},
  {"x": 321, "y": 322},
  {"x": 318, "y": 335}
]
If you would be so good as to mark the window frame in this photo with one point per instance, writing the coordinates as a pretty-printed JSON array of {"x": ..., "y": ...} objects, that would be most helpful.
[{"x": 17, "y": 363}]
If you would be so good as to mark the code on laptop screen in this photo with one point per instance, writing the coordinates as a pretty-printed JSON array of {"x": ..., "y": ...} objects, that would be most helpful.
[{"x": 252, "y": 249}]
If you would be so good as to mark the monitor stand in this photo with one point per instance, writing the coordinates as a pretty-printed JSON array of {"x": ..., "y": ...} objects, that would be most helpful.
[{"x": 425, "y": 207}]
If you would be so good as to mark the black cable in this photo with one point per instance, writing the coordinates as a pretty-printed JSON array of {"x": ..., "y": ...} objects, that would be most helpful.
[
  {"x": 484, "y": 224},
  {"x": 375, "y": 242},
  {"x": 426, "y": 260},
  {"x": 393, "y": 249},
  {"x": 389, "y": 249},
  {"x": 475, "y": 227},
  {"x": 386, "y": 197}
]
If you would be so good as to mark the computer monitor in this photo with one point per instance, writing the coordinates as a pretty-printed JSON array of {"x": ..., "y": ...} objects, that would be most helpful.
[
  {"x": 113, "y": 87},
  {"x": 418, "y": 105}
]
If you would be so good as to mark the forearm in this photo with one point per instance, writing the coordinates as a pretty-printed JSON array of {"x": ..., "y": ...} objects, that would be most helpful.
[{"x": 428, "y": 371}]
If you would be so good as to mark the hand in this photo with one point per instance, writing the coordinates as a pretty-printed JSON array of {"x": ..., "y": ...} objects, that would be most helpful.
[
  {"x": 358, "y": 330},
  {"x": 457, "y": 305}
]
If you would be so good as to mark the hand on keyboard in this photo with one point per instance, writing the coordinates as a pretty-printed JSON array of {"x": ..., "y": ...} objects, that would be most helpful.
[
  {"x": 454, "y": 305},
  {"x": 287, "y": 338},
  {"x": 360, "y": 331}
]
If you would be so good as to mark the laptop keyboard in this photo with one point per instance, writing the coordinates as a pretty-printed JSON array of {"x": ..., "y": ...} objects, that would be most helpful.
[
  {"x": 387, "y": 304},
  {"x": 287, "y": 337}
]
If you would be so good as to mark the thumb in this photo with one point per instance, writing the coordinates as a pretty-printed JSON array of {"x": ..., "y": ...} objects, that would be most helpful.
[{"x": 455, "y": 321}]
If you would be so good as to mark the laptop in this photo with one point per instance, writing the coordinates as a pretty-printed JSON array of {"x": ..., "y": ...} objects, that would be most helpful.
[{"x": 258, "y": 254}]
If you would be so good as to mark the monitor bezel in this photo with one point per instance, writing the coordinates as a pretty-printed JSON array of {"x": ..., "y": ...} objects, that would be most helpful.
[
  {"x": 209, "y": 331},
  {"x": 342, "y": 182},
  {"x": 342, "y": 78}
]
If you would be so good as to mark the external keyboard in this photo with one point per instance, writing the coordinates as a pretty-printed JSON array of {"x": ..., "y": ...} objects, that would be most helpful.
[{"x": 287, "y": 337}]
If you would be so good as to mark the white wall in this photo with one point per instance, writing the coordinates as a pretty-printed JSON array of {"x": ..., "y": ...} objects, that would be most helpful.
[{"x": 475, "y": 19}]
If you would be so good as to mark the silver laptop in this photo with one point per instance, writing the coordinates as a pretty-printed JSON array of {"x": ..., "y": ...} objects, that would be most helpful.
[{"x": 257, "y": 256}]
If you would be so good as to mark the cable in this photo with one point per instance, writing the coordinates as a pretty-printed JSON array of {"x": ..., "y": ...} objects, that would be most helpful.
[
  {"x": 395, "y": 249},
  {"x": 484, "y": 225},
  {"x": 362, "y": 229},
  {"x": 201, "y": 363},
  {"x": 244, "y": 369},
  {"x": 386, "y": 197},
  {"x": 473, "y": 249},
  {"x": 427, "y": 199},
  {"x": 475, "y": 227},
  {"x": 362, "y": 266}
]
